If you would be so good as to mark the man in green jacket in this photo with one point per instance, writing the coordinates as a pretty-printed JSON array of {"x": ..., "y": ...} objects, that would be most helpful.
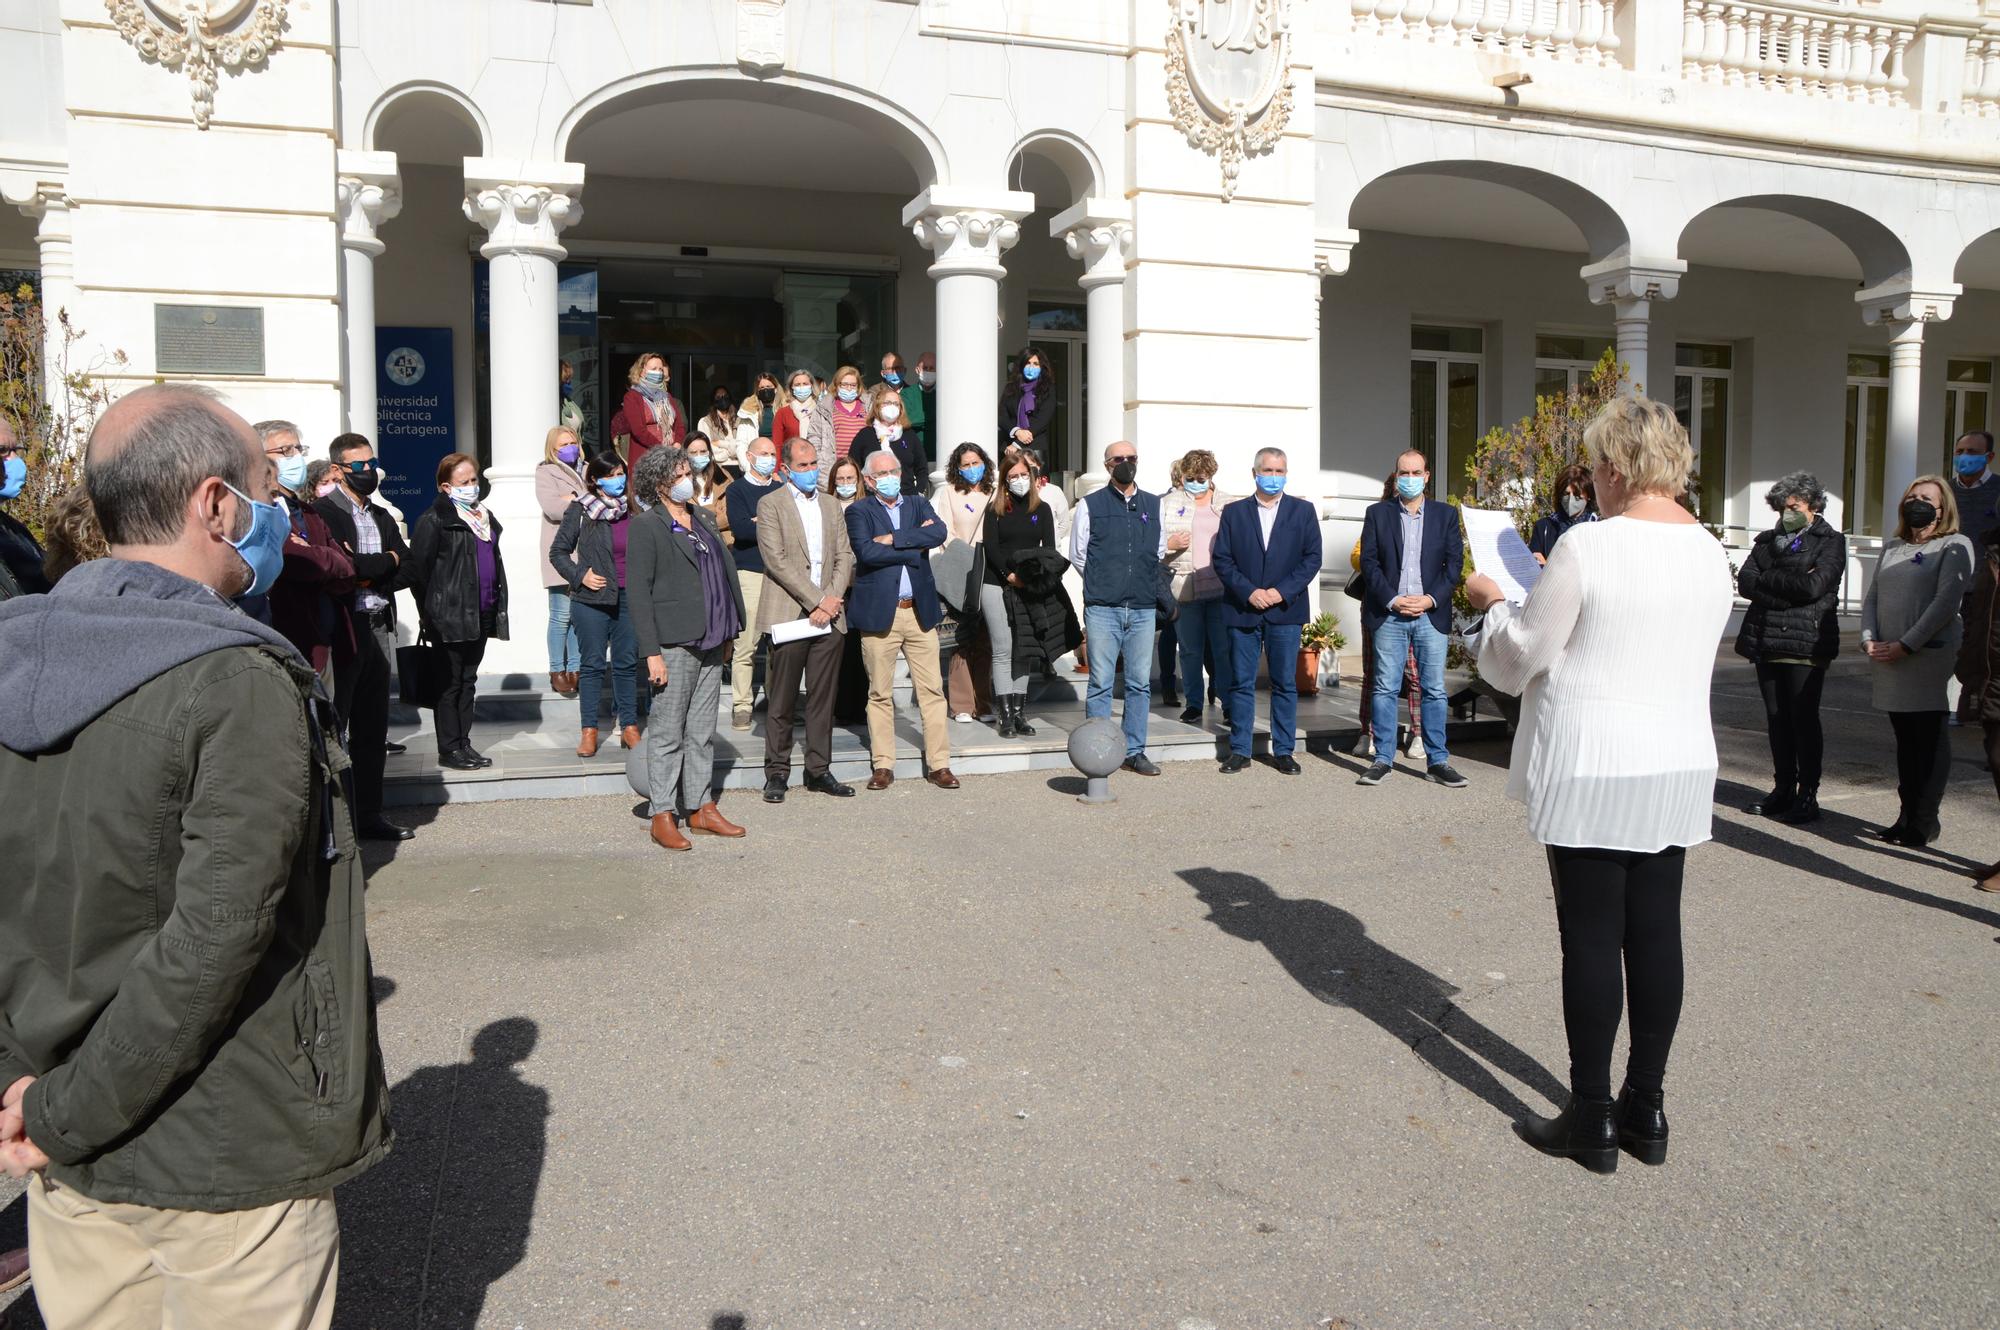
[{"x": 188, "y": 1054}]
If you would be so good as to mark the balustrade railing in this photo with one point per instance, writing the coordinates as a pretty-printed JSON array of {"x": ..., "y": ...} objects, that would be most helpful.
[
  {"x": 1580, "y": 32},
  {"x": 1981, "y": 95},
  {"x": 1807, "y": 52}
]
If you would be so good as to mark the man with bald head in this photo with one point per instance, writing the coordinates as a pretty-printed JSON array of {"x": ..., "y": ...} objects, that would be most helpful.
[
  {"x": 20, "y": 556},
  {"x": 189, "y": 1064}
]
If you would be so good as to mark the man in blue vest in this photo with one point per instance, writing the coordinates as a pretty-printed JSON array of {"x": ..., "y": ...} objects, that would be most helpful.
[{"x": 1117, "y": 543}]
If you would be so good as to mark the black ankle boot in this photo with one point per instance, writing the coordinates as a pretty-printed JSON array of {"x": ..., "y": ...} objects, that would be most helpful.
[
  {"x": 1641, "y": 1116},
  {"x": 1775, "y": 804},
  {"x": 1583, "y": 1131},
  {"x": 1021, "y": 726},
  {"x": 1005, "y": 706},
  {"x": 1804, "y": 809}
]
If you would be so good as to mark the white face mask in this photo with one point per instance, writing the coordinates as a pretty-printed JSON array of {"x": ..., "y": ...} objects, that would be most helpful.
[
  {"x": 465, "y": 496},
  {"x": 1018, "y": 486},
  {"x": 927, "y": 377},
  {"x": 890, "y": 410},
  {"x": 1574, "y": 504}
]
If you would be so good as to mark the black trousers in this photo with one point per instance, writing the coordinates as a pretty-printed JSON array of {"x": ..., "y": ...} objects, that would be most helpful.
[
  {"x": 454, "y": 708},
  {"x": 1791, "y": 715},
  {"x": 1620, "y": 916},
  {"x": 1923, "y": 764},
  {"x": 1993, "y": 752},
  {"x": 361, "y": 698},
  {"x": 816, "y": 662}
]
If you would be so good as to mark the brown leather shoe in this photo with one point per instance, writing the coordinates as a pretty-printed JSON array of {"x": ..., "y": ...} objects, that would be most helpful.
[
  {"x": 563, "y": 682},
  {"x": 667, "y": 834},
  {"x": 709, "y": 819},
  {"x": 881, "y": 779},
  {"x": 13, "y": 1269},
  {"x": 942, "y": 778},
  {"x": 587, "y": 746},
  {"x": 629, "y": 736}
]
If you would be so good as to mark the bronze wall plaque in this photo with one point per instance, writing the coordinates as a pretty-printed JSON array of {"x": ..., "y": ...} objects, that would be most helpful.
[{"x": 208, "y": 339}]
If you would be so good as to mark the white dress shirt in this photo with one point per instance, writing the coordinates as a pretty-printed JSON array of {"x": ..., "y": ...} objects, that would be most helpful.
[
  {"x": 809, "y": 515},
  {"x": 1267, "y": 516}
]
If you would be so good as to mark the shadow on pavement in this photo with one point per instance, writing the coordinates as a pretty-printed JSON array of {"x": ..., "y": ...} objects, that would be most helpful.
[
  {"x": 1328, "y": 952},
  {"x": 424, "y": 1234},
  {"x": 376, "y": 853}
]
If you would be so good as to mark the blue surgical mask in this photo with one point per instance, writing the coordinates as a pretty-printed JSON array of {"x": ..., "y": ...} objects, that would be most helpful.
[
  {"x": 845, "y": 491},
  {"x": 892, "y": 378},
  {"x": 656, "y": 376},
  {"x": 763, "y": 466},
  {"x": 889, "y": 486},
  {"x": 807, "y": 480},
  {"x": 1195, "y": 487},
  {"x": 1269, "y": 484},
  {"x": 1969, "y": 464},
  {"x": 801, "y": 391},
  {"x": 465, "y": 496},
  {"x": 1031, "y": 372},
  {"x": 13, "y": 475},
  {"x": 263, "y": 545},
  {"x": 613, "y": 486},
  {"x": 973, "y": 474},
  {"x": 849, "y": 394},
  {"x": 681, "y": 490},
  {"x": 292, "y": 471},
  {"x": 699, "y": 461},
  {"x": 1410, "y": 487}
]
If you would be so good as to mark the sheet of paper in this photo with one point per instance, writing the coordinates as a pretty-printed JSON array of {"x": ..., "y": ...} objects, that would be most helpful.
[
  {"x": 793, "y": 630},
  {"x": 1500, "y": 553}
]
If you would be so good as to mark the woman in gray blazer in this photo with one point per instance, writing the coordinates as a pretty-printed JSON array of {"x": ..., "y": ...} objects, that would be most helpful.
[
  {"x": 686, "y": 610},
  {"x": 1910, "y": 630}
]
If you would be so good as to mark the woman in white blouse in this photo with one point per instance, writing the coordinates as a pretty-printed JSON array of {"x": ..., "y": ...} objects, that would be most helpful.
[{"x": 1615, "y": 758}]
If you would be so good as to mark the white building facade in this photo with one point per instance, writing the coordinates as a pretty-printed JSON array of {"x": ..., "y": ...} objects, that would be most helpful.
[{"x": 1342, "y": 227}]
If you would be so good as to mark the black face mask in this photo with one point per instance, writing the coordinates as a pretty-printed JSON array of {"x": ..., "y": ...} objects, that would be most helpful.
[
  {"x": 767, "y": 395},
  {"x": 1919, "y": 514},
  {"x": 721, "y": 404},
  {"x": 364, "y": 481},
  {"x": 1124, "y": 472}
]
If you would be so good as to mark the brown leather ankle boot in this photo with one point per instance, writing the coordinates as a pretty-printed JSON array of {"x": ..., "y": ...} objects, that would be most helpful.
[
  {"x": 587, "y": 747},
  {"x": 667, "y": 834},
  {"x": 629, "y": 736},
  {"x": 708, "y": 818}
]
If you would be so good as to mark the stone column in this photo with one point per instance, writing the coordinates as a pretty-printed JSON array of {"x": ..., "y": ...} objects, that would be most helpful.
[
  {"x": 1904, "y": 311},
  {"x": 968, "y": 231},
  {"x": 367, "y": 193},
  {"x": 524, "y": 207},
  {"x": 1630, "y": 287},
  {"x": 46, "y": 199},
  {"x": 1332, "y": 254},
  {"x": 1099, "y": 231}
]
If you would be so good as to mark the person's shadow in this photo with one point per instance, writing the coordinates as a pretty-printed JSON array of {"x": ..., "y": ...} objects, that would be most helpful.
[
  {"x": 424, "y": 1234},
  {"x": 1328, "y": 952}
]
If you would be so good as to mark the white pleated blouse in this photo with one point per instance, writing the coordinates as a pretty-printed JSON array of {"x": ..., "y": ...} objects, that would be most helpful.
[{"x": 1612, "y": 656}]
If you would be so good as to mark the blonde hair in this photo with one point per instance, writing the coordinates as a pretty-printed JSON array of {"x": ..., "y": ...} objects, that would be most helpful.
[
  {"x": 877, "y": 395},
  {"x": 1197, "y": 464},
  {"x": 550, "y": 444},
  {"x": 638, "y": 370},
  {"x": 1947, "y": 518},
  {"x": 1641, "y": 440},
  {"x": 833, "y": 384}
]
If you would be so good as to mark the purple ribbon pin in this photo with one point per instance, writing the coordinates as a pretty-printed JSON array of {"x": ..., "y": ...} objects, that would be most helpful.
[{"x": 1919, "y": 558}]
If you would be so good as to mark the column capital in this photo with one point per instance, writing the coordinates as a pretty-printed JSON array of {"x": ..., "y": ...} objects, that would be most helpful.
[
  {"x": 967, "y": 229},
  {"x": 524, "y": 206},
  {"x": 1098, "y": 231},
  {"x": 367, "y": 193},
  {"x": 35, "y": 192},
  {"x": 1333, "y": 252},
  {"x": 1901, "y": 302},
  {"x": 1629, "y": 284}
]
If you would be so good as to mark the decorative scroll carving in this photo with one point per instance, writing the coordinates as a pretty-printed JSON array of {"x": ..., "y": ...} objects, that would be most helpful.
[
  {"x": 1229, "y": 77},
  {"x": 190, "y": 35}
]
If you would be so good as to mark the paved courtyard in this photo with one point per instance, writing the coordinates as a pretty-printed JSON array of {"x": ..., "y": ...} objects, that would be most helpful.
[{"x": 1238, "y": 1052}]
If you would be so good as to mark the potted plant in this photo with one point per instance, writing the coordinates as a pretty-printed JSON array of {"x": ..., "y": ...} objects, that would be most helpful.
[{"x": 1319, "y": 637}]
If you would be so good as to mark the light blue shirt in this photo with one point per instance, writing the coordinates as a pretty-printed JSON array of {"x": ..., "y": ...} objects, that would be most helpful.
[
  {"x": 895, "y": 515},
  {"x": 1412, "y": 581}
]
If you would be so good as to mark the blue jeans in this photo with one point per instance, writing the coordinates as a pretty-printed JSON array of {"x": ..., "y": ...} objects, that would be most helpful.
[
  {"x": 562, "y": 634},
  {"x": 1280, "y": 644},
  {"x": 1395, "y": 639},
  {"x": 1204, "y": 644},
  {"x": 1117, "y": 632},
  {"x": 595, "y": 630}
]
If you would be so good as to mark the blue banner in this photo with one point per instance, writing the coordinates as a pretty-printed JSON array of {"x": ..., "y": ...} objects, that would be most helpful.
[{"x": 416, "y": 423}]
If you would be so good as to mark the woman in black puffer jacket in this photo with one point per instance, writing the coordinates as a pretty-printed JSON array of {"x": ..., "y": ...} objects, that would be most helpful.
[{"x": 1792, "y": 580}]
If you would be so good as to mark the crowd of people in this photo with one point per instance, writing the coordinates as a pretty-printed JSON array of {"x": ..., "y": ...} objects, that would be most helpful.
[{"x": 237, "y": 600}]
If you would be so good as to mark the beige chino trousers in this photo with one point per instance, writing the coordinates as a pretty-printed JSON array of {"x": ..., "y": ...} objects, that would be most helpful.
[{"x": 920, "y": 649}]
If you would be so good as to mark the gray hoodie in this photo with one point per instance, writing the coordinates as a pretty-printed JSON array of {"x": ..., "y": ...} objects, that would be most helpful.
[{"x": 108, "y": 627}]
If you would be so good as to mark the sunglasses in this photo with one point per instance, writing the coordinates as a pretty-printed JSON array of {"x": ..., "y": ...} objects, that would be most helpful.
[{"x": 363, "y": 467}]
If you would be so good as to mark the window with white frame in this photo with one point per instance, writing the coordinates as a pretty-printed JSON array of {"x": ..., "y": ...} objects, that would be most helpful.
[
  {"x": 1446, "y": 367},
  {"x": 1564, "y": 362},
  {"x": 1968, "y": 401},
  {"x": 1862, "y": 475},
  {"x": 1701, "y": 401}
]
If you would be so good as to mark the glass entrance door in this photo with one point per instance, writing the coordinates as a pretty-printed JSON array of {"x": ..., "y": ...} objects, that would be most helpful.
[
  {"x": 1867, "y": 439},
  {"x": 1701, "y": 402}
]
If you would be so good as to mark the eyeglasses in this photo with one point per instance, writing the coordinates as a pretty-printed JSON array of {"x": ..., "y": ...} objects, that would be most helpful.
[{"x": 296, "y": 450}]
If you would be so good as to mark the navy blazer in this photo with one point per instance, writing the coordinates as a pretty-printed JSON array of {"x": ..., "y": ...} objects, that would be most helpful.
[
  {"x": 1245, "y": 564},
  {"x": 871, "y": 601},
  {"x": 1443, "y": 560}
]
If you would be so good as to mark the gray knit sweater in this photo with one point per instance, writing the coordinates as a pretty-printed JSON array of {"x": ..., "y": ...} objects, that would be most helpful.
[{"x": 1913, "y": 599}]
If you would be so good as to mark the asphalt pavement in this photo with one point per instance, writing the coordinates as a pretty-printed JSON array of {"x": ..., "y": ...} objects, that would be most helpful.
[{"x": 1236, "y": 1052}]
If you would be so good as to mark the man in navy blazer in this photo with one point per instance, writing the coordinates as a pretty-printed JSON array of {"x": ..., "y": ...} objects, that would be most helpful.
[
  {"x": 1267, "y": 554},
  {"x": 893, "y": 604},
  {"x": 1412, "y": 556}
]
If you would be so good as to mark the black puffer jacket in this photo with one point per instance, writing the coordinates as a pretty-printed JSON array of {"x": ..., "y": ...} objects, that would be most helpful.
[
  {"x": 1038, "y": 612},
  {"x": 444, "y": 571},
  {"x": 1792, "y": 583}
]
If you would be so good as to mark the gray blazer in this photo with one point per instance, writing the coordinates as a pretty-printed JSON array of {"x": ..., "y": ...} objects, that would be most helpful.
[
  {"x": 789, "y": 591},
  {"x": 663, "y": 581}
]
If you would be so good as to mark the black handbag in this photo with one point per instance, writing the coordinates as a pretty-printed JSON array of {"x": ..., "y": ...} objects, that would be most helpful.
[
  {"x": 421, "y": 671},
  {"x": 1166, "y": 605}
]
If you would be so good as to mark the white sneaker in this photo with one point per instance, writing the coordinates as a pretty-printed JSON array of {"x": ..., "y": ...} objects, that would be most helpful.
[
  {"x": 963, "y": 718},
  {"x": 1364, "y": 744},
  {"x": 1416, "y": 748}
]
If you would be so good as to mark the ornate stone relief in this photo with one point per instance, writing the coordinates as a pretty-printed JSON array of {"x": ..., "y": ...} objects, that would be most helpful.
[
  {"x": 967, "y": 239},
  {"x": 201, "y": 36},
  {"x": 1229, "y": 77},
  {"x": 522, "y": 218},
  {"x": 760, "y": 36}
]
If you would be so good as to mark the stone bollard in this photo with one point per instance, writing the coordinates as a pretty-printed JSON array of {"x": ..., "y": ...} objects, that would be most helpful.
[
  {"x": 1097, "y": 748},
  {"x": 636, "y": 774}
]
